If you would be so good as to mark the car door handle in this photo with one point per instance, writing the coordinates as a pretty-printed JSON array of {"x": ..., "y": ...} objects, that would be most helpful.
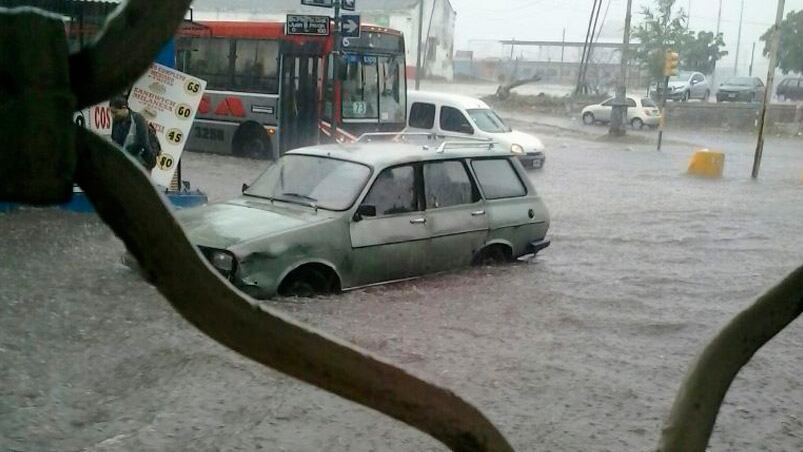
[
  {"x": 418, "y": 220},
  {"x": 477, "y": 213}
]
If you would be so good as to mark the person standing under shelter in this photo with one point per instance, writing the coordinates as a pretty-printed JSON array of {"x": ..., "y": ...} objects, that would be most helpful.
[{"x": 130, "y": 131}]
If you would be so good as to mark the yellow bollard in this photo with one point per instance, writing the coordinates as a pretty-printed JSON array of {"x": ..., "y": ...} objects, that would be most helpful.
[{"x": 706, "y": 163}]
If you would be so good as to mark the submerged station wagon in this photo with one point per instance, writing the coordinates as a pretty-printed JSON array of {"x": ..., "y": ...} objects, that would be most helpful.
[{"x": 329, "y": 218}]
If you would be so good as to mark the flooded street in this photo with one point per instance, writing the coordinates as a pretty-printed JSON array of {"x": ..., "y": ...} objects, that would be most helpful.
[{"x": 580, "y": 349}]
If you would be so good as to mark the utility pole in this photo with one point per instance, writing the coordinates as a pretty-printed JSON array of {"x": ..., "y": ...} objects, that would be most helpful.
[
  {"x": 752, "y": 57},
  {"x": 738, "y": 41},
  {"x": 762, "y": 121},
  {"x": 719, "y": 16},
  {"x": 337, "y": 54},
  {"x": 619, "y": 113},
  {"x": 418, "y": 50}
]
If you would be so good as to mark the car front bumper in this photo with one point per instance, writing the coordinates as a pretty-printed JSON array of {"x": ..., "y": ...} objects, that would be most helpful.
[{"x": 532, "y": 159}]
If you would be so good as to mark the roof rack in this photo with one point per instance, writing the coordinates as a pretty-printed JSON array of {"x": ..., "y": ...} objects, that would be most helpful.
[
  {"x": 467, "y": 143},
  {"x": 367, "y": 137}
]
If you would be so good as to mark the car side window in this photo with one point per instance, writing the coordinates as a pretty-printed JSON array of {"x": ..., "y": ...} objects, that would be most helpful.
[
  {"x": 453, "y": 120},
  {"x": 448, "y": 184},
  {"x": 422, "y": 115},
  {"x": 394, "y": 192},
  {"x": 608, "y": 103},
  {"x": 631, "y": 103},
  {"x": 498, "y": 179}
]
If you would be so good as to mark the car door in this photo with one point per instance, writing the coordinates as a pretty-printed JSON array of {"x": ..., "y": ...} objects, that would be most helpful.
[
  {"x": 391, "y": 242},
  {"x": 604, "y": 112},
  {"x": 453, "y": 122},
  {"x": 633, "y": 110},
  {"x": 456, "y": 216},
  {"x": 698, "y": 87}
]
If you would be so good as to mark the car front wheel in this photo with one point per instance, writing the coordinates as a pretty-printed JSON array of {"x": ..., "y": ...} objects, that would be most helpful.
[
  {"x": 588, "y": 118},
  {"x": 637, "y": 123}
]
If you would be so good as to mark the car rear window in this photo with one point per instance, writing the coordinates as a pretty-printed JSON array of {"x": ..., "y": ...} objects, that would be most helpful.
[{"x": 498, "y": 179}]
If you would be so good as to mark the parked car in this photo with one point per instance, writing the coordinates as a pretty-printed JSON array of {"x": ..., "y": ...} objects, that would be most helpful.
[
  {"x": 684, "y": 86},
  {"x": 640, "y": 112},
  {"x": 741, "y": 89},
  {"x": 334, "y": 217},
  {"x": 464, "y": 116},
  {"x": 790, "y": 89}
]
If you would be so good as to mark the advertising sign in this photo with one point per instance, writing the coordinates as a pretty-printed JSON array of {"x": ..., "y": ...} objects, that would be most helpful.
[
  {"x": 168, "y": 99},
  {"x": 97, "y": 118}
]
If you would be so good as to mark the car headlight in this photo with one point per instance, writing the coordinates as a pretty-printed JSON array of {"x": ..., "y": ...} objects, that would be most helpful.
[
  {"x": 222, "y": 261},
  {"x": 517, "y": 149}
]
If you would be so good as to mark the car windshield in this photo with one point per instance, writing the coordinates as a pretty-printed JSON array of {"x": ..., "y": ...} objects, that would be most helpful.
[
  {"x": 648, "y": 103},
  {"x": 488, "y": 121},
  {"x": 739, "y": 81},
  {"x": 313, "y": 181},
  {"x": 681, "y": 77}
]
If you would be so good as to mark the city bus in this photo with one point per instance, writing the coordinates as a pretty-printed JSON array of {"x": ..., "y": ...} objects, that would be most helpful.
[{"x": 268, "y": 92}]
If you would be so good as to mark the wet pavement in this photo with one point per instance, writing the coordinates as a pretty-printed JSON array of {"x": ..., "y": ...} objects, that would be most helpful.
[{"x": 580, "y": 349}]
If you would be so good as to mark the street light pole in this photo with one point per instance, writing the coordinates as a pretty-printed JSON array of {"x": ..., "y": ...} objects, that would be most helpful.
[
  {"x": 418, "y": 49},
  {"x": 762, "y": 121},
  {"x": 619, "y": 111},
  {"x": 738, "y": 41}
]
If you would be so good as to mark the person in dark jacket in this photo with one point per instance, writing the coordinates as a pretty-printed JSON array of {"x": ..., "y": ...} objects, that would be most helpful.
[{"x": 130, "y": 131}]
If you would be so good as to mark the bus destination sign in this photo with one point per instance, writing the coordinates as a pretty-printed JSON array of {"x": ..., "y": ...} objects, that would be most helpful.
[{"x": 307, "y": 25}]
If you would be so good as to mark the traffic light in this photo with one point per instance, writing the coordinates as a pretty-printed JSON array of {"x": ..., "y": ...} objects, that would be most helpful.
[{"x": 671, "y": 63}]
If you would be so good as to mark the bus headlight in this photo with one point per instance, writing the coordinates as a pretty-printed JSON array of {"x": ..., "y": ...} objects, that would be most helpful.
[{"x": 517, "y": 149}]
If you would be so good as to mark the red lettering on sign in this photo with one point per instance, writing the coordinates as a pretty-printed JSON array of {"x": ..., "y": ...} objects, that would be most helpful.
[
  {"x": 102, "y": 118},
  {"x": 205, "y": 105},
  {"x": 231, "y": 106}
]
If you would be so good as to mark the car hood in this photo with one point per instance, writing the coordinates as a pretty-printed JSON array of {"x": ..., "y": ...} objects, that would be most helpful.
[
  {"x": 243, "y": 219},
  {"x": 528, "y": 142},
  {"x": 680, "y": 84}
]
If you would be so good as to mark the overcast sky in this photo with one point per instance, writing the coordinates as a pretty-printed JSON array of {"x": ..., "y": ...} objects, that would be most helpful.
[{"x": 479, "y": 20}]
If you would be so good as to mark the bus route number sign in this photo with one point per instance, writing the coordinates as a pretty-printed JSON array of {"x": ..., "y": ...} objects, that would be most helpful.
[{"x": 297, "y": 24}]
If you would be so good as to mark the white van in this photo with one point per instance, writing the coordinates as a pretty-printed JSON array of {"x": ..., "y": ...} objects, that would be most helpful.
[{"x": 464, "y": 116}]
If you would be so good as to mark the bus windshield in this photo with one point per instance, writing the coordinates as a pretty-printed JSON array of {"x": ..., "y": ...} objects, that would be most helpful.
[{"x": 374, "y": 88}]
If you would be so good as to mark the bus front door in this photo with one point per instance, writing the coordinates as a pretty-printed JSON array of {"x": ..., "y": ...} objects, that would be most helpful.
[{"x": 301, "y": 76}]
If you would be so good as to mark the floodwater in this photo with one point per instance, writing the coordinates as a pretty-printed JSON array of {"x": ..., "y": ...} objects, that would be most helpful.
[{"x": 581, "y": 349}]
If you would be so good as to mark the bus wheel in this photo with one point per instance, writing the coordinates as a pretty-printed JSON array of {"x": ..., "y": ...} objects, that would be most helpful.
[{"x": 251, "y": 141}]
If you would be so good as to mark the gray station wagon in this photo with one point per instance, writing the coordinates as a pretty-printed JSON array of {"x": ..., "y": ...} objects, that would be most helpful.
[{"x": 334, "y": 217}]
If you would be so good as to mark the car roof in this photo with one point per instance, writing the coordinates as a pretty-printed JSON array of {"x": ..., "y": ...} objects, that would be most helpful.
[
  {"x": 384, "y": 154},
  {"x": 458, "y": 100}
]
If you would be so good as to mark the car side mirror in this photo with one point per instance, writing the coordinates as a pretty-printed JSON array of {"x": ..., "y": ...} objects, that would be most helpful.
[
  {"x": 363, "y": 211},
  {"x": 466, "y": 128},
  {"x": 244, "y": 188}
]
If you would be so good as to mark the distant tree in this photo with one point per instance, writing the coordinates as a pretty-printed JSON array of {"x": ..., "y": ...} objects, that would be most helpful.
[
  {"x": 701, "y": 52},
  {"x": 658, "y": 31},
  {"x": 790, "y": 51},
  {"x": 661, "y": 30}
]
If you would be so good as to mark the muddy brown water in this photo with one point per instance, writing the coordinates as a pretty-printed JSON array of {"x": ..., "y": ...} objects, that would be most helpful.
[{"x": 581, "y": 349}]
